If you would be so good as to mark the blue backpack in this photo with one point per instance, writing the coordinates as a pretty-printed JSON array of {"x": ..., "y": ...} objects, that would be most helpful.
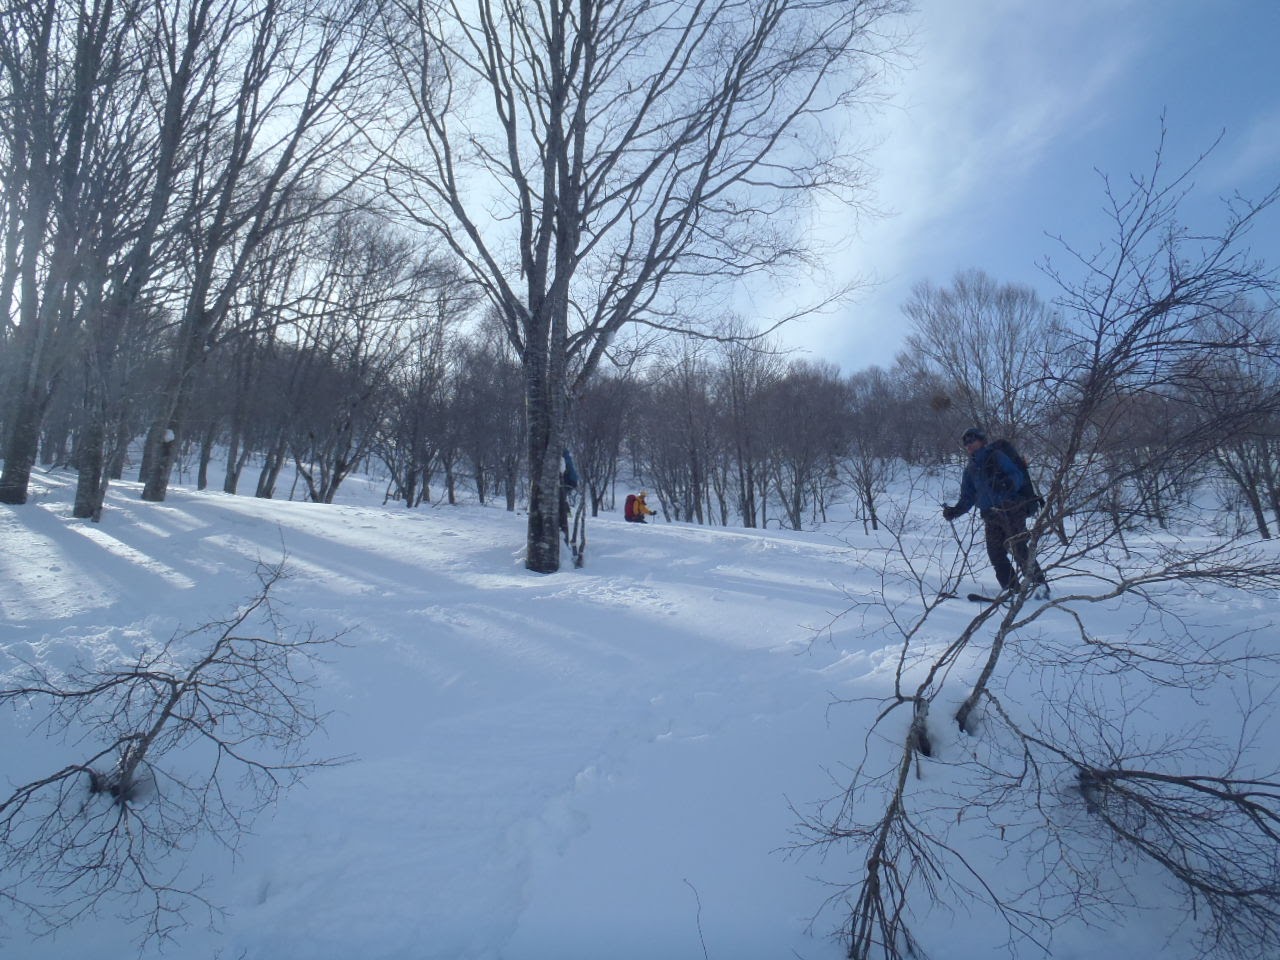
[{"x": 1027, "y": 495}]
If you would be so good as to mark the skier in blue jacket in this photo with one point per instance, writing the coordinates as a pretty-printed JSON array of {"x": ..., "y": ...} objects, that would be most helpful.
[{"x": 991, "y": 482}]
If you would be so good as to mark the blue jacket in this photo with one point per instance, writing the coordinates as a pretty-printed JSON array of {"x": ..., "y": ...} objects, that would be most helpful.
[
  {"x": 990, "y": 480},
  {"x": 570, "y": 475}
]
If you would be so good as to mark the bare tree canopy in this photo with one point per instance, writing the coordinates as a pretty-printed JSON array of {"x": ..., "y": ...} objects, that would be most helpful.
[
  {"x": 987, "y": 341},
  {"x": 150, "y": 149},
  {"x": 606, "y": 162}
]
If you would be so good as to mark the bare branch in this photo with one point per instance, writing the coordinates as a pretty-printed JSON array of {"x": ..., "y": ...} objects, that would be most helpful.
[{"x": 192, "y": 739}]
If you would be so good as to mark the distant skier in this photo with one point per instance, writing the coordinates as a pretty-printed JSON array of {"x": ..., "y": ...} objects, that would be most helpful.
[
  {"x": 992, "y": 482},
  {"x": 636, "y": 509}
]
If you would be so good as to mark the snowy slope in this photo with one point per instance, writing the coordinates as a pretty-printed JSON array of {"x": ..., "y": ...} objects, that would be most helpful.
[{"x": 601, "y": 762}]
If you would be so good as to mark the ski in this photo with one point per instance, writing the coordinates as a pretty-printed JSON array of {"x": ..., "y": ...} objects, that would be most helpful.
[
  {"x": 1040, "y": 593},
  {"x": 975, "y": 597}
]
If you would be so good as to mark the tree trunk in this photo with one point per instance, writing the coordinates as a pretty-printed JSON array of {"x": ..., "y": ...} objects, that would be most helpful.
[
  {"x": 450, "y": 485},
  {"x": 1269, "y": 475},
  {"x": 165, "y": 435},
  {"x": 747, "y": 485},
  {"x": 55, "y": 445},
  {"x": 235, "y": 463},
  {"x": 270, "y": 474},
  {"x": 1247, "y": 480},
  {"x": 545, "y": 418},
  {"x": 158, "y": 460},
  {"x": 91, "y": 483},
  {"x": 512, "y": 483},
  {"x": 119, "y": 452},
  {"x": 206, "y": 455},
  {"x": 22, "y": 448}
]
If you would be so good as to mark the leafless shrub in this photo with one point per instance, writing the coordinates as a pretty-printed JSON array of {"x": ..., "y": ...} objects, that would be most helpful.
[{"x": 187, "y": 742}]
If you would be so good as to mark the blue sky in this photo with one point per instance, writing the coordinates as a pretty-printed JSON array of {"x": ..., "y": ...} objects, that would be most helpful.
[{"x": 993, "y": 141}]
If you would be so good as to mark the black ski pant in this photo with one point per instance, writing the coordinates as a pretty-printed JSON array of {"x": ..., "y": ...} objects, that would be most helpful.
[{"x": 1006, "y": 533}]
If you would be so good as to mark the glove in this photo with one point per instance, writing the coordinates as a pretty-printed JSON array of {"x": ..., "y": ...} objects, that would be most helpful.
[{"x": 949, "y": 512}]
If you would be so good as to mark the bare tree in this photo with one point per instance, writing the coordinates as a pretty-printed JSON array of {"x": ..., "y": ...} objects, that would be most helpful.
[
  {"x": 673, "y": 430},
  {"x": 746, "y": 375},
  {"x": 129, "y": 127},
  {"x": 63, "y": 76},
  {"x": 872, "y": 457},
  {"x": 410, "y": 433},
  {"x": 1247, "y": 458},
  {"x": 1072, "y": 785},
  {"x": 147, "y": 136},
  {"x": 407, "y": 436},
  {"x": 599, "y": 163},
  {"x": 184, "y": 742},
  {"x": 988, "y": 343},
  {"x": 276, "y": 283},
  {"x": 371, "y": 285},
  {"x": 274, "y": 138},
  {"x": 806, "y": 414},
  {"x": 602, "y": 417},
  {"x": 488, "y": 408}
]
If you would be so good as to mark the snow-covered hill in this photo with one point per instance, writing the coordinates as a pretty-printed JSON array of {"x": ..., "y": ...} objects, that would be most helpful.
[{"x": 607, "y": 762}]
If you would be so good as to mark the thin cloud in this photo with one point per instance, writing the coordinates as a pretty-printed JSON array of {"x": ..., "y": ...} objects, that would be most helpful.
[
  {"x": 1252, "y": 156},
  {"x": 997, "y": 87}
]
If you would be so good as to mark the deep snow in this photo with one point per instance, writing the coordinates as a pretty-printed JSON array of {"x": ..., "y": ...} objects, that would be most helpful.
[{"x": 597, "y": 763}]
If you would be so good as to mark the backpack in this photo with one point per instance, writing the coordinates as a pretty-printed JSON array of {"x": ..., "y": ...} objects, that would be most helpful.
[
  {"x": 629, "y": 510},
  {"x": 1027, "y": 494}
]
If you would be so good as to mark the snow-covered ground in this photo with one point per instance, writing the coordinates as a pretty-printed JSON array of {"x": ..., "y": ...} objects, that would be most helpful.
[{"x": 605, "y": 762}]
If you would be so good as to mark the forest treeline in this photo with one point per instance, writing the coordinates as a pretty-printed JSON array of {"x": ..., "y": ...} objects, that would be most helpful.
[{"x": 360, "y": 362}]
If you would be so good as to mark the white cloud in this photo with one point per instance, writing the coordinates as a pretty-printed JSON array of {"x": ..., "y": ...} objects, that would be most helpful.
[
  {"x": 992, "y": 140},
  {"x": 997, "y": 86},
  {"x": 1252, "y": 156}
]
